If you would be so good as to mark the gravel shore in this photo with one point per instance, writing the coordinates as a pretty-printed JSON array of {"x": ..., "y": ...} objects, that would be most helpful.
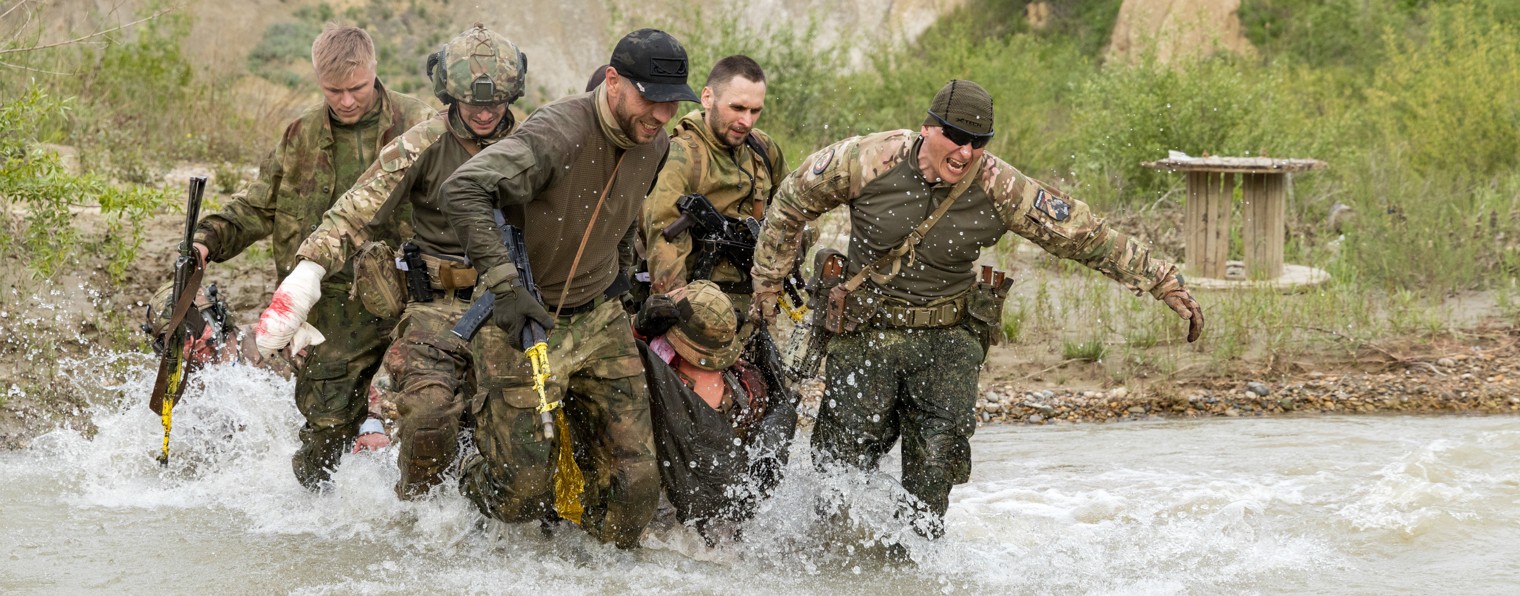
[{"x": 1481, "y": 381}]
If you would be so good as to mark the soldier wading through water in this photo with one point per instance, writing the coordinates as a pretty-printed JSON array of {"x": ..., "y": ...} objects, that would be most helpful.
[
  {"x": 319, "y": 157},
  {"x": 478, "y": 75},
  {"x": 911, "y": 321}
]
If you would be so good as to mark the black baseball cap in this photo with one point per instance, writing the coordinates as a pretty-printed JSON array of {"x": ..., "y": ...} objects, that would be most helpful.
[{"x": 656, "y": 65}]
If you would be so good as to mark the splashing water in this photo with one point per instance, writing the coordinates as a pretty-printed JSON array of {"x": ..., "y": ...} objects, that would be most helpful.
[{"x": 1255, "y": 506}]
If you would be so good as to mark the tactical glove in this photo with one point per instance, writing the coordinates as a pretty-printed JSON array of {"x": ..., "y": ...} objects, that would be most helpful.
[
  {"x": 1186, "y": 307},
  {"x": 657, "y": 316},
  {"x": 515, "y": 306},
  {"x": 284, "y": 322}
]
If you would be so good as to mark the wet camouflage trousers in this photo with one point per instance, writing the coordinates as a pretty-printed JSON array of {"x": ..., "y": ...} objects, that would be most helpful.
[
  {"x": 432, "y": 373},
  {"x": 332, "y": 388},
  {"x": 597, "y": 371},
  {"x": 919, "y": 384}
]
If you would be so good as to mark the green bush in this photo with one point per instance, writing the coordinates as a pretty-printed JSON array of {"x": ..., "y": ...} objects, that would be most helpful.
[
  {"x": 1451, "y": 98},
  {"x": 48, "y": 198}
]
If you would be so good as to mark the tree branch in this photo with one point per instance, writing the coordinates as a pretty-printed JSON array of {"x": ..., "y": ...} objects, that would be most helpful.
[{"x": 145, "y": 19}]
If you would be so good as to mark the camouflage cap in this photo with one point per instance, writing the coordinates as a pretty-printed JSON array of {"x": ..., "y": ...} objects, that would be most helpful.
[
  {"x": 478, "y": 67},
  {"x": 708, "y": 337},
  {"x": 656, "y": 64},
  {"x": 964, "y": 105}
]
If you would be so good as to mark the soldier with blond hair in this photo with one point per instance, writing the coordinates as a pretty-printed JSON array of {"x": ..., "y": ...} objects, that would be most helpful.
[
  {"x": 478, "y": 75},
  {"x": 319, "y": 156}
]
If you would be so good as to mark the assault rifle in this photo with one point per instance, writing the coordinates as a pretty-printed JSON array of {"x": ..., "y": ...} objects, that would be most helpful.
[
  {"x": 535, "y": 342},
  {"x": 169, "y": 385},
  {"x": 718, "y": 236}
]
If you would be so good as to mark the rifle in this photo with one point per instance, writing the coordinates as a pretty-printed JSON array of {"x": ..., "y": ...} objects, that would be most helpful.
[
  {"x": 717, "y": 235},
  {"x": 534, "y": 339},
  {"x": 169, "y": 385}
]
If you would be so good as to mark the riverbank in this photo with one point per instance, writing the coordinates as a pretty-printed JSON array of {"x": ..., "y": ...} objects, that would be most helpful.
[{"x": 1480, "y": 376}]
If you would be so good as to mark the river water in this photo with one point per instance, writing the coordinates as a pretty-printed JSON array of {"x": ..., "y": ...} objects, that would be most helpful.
[{"x": 1367, "y": 505}]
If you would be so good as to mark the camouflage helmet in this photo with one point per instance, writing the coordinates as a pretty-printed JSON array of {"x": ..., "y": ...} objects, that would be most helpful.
[
  {"x": 209, "y": 309},
  {"x": 478, "y": 67},
  {"x": 708, "y": 337}
]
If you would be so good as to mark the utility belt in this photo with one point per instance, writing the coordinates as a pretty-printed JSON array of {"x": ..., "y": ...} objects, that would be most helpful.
[
  {"x": 982, "y": 303},
  {"x": 736, "y": 287},
  {"x": 894, "y": 312}
]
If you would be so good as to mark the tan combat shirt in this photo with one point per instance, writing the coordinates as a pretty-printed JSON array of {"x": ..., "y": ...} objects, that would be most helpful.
[{"x": 736, "y": 181}]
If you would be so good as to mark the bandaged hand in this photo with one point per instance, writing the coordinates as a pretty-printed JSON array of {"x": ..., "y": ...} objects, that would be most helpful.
[{"x": 283, "y": 323}]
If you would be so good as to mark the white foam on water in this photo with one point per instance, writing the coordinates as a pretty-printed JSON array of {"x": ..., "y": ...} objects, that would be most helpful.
[{"x": 1290, "y": 506}]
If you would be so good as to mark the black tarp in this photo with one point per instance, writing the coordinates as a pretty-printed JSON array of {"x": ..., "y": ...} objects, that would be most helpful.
[{"x": 708, "y": 472}]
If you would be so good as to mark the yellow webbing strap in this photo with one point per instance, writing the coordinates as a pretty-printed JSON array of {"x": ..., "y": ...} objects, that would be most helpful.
[
  {"x": 168, "y": 408},
  {"x": 568, "y": 481}
]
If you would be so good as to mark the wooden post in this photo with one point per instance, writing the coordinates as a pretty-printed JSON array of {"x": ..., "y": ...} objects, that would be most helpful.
[
  {"x": 1208, "y": 223},
  {"x": 1263, "y": 207}
]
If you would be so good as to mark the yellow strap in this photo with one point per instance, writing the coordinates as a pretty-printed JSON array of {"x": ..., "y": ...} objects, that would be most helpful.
[
  {"x": 167, "y": 417},
  {"x": 568, "y": 481}
]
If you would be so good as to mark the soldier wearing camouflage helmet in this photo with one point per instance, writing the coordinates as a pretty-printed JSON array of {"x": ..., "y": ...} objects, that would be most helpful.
[
  {"x": 717, "y": 152},
  {"x": 478, "y": 74},
  {"x": 913, "y": 322},
  {"x": 319, "y": 157},
  {"x": 572, "y": 178}
]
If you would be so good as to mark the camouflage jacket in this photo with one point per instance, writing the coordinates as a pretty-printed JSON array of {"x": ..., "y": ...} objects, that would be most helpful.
[
  {"x": 298, "y": 182},
  {"x": 399, "y": 193},
  {"x": 735, "y": 179},
  {"x": 877, "y": 176},
  {"x": 547, "y": 177}
]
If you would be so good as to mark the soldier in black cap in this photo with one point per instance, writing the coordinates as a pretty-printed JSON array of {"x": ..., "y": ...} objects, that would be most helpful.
[
  {"x": 911, "y": 322},
  {"x": 573, "y": 178}
]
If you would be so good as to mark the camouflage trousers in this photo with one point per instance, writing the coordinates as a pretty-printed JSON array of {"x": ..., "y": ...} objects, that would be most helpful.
[
  {"x": 597, "y": 372},
  {"x": 332, "y": 387},
  {"x": 919, "y": 384},
  {"x": 433, "y": 373}
]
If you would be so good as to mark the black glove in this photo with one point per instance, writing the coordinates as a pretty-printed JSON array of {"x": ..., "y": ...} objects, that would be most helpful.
[
  {"x": 657, "y": 316},
  {"x": 513, "y": 309}
]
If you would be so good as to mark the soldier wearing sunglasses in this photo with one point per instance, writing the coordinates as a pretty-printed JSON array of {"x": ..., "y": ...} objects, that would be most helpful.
[{"x": 914, "y": 321}]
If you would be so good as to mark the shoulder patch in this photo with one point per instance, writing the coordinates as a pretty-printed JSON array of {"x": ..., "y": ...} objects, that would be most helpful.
[
  {"x": 823, "y": 160},
  {"x": 1051, "y": 205}
]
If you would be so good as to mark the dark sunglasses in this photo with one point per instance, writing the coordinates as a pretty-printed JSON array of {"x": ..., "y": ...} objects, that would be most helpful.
[{"x": 961, "y": 137}]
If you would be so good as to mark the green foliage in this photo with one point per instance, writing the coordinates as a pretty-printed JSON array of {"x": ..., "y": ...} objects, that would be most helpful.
[
  {"x": 1452, "y": 97},
  {"x": 402, "y": 36},
  {"x": 137, "y": 100},
  {"x": 1090, "y": 350},
  {"x": 798, "y": 77},
  {"x": 283, "y": 45},
  {"x": 1127, "y": 115},
  {"x": 47, "y": 198}
]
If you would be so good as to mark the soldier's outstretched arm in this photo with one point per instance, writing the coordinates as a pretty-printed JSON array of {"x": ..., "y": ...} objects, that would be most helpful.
[
  {"x": 372, "y": 201},
  {"x": 1067, "y": 227},
  {"x": 249, "y": 217}
]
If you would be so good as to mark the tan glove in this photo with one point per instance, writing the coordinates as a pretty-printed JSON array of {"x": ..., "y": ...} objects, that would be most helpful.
[{"x": 1186, "y": 307}]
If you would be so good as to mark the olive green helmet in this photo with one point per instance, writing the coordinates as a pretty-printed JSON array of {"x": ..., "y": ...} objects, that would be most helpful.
[{"x": 478, "y": 67}]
